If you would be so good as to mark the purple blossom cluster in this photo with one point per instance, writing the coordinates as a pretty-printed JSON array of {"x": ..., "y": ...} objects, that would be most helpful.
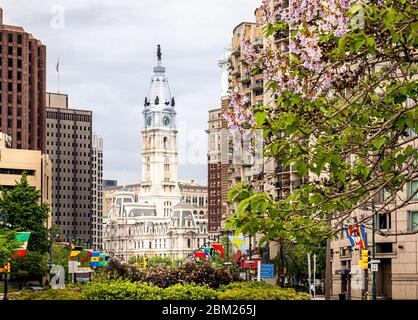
[{"x": 239, "y": 113}]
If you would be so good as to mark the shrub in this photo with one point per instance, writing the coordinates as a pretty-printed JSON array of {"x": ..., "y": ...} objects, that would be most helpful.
[
  {"x": 120, "y": 290},
  {"x": 50, "y": 294},
  {"x": 188, "y": 292},
  {"x": 258, "y": 291}
]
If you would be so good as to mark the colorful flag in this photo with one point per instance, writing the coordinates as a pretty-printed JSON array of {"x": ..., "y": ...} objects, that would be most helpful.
[
  {"x": 238, "y": 242},
  {"x": 86, "y": 255},
  {"x": 357, "y": 236},
  {"x": 218, "y": 248},
  {"x": 199, "y": 255},
  {"x": 95, "y": 258},
  {"x": 74, "y": 253},
  {"x": 103, "y": 259},
  {"x": 206, "y": 251},
  {"x": 23, "y": 238}
]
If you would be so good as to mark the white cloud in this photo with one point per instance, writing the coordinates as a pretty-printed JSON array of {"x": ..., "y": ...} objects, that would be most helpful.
[{"x": 107, "y": 51}]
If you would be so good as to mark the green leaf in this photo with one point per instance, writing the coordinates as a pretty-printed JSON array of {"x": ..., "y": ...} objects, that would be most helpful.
[
  {"x": 379, "y": 142},
  {"x": 386, "y": 165},
  {"x": 358, "y": 44},
  {"x": 260, "y": 117}
]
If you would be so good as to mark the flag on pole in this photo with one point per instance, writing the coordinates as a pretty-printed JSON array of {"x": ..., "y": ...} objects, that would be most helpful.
[
  {"x": 357, "y": 236},
  {"x": 219, "y": 248},
  {"x": 238, "y": 241},
  {"x": 58, "y": 66},
  {"x": 23, "y": 238}
]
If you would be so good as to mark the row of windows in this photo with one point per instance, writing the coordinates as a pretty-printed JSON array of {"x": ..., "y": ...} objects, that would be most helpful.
[
  {"x": 10, "y": 63},
  {"x": 71, "y": 205},
  {"x": 70, "y": 117},
  {"x": 71, "y": 214},
  {"x": 64, "y": 135},
  {"x": 17, "y": 171},
  {"x": 11, "y": 36}
]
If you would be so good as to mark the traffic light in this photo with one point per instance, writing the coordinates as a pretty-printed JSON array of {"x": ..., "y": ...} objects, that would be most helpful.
[
  {"x": 145, "y": 262},
  {"x": 365, "y": 259},
  {"x": 7, "y": 267}
]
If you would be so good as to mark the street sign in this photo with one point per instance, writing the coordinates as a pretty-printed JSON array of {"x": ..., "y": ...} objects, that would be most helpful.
[
  {"x": 374, "y": 261},
  {"x": 374, "y": 267},
  {"x": 266, "y": 270},
  {"x": 6, "y": 276}
]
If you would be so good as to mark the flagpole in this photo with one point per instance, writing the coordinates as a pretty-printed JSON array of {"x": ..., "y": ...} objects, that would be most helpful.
[{"x": 58, "y": 73}]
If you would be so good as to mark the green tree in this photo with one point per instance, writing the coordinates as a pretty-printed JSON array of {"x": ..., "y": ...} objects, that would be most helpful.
[
  {"x": 33, "y": 266},
  {"x": 344, "y": 114},
  {"x": 25, "y": 213},
  {"x": 8, "y": 245}
]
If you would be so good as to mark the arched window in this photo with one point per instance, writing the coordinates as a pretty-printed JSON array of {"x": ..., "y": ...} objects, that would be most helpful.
[
  {"x": 167, "y": 169},
  {"x": 165, "y": 142},
  {"x": 147, "y": 169}
]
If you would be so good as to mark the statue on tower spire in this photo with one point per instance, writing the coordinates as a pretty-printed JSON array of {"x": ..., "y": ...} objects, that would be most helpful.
[{"x": 159, "y": 53}]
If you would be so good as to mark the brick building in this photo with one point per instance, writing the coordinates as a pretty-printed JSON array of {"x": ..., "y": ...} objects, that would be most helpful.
[{"x": 23, "y": 87}]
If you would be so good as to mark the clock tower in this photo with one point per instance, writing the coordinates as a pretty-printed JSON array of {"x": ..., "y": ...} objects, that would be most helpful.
[{"x": 159, "y": 150}]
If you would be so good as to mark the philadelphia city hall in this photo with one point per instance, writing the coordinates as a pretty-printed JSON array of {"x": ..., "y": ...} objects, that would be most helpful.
[{"x": 160, "y": 218}]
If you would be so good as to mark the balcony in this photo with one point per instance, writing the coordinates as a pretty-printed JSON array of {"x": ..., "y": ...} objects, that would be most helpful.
[
  {"x": 246, "y": 78},
  {"x": 257, "y": 85},
  {"x": 236, "y": 51},
  {"x": 168, "y": 183},
  {"x": 236, "y": 72},
  {"x": 281, "y": 35},
  {"x": 258, "y": 42}
]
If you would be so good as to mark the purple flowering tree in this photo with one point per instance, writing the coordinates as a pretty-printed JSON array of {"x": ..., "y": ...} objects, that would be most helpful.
[{"x": 344, "y": 114}]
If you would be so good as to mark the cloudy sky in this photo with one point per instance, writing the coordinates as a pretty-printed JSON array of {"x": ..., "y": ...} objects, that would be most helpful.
[{"x": 107, "y": 51}]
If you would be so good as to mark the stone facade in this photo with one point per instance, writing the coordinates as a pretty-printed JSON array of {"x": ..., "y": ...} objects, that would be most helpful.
[
  {"x": 162, "y": 216},
  {"x": 396, "y": 239}
]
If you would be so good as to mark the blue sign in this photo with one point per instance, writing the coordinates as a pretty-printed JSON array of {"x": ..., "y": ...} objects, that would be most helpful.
[{"x": 267, "y": 270}]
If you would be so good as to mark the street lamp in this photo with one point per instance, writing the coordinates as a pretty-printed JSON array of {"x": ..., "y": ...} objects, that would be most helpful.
[
  {"x": 226, "y": 232},
  {"x": 52, "y": 236}
]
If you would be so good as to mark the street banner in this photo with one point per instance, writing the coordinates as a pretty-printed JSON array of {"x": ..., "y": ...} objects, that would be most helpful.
[
  {"x": 23, "y": 238},
  {"x": 357, "y": 236}
]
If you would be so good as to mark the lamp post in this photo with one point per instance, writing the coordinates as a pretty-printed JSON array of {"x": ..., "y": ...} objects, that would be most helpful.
[{"x": 6, "y": 275}]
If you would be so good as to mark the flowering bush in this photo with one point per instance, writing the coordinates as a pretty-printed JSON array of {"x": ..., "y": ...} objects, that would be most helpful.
[{"x": 165, "y": 276}]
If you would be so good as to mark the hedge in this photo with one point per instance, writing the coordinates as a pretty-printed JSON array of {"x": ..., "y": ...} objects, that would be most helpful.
[{"x": 122, "y": 289}]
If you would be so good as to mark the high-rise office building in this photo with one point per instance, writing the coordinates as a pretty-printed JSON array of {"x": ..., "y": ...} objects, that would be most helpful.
[
  {"x": 23, "y": 88},
  {"x": 69, "y": 145},
  {"x": 97, "y": 191},
  {"x": 218, "y": 155}
]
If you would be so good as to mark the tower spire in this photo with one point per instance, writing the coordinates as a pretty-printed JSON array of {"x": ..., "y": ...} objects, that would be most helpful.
[{"x": 159, "y": 53}]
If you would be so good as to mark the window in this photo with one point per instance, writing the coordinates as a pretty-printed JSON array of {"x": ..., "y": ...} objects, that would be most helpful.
[
  {"x": 383, "y": 221},
  {"x": 413, "y": 187},
  {"x": 413, "y": 220}
]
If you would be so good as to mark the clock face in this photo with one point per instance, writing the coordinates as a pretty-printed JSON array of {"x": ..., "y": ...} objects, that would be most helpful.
[
  {"x": 149, "y": 120},
  {"x": 166, "y": 121}
]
